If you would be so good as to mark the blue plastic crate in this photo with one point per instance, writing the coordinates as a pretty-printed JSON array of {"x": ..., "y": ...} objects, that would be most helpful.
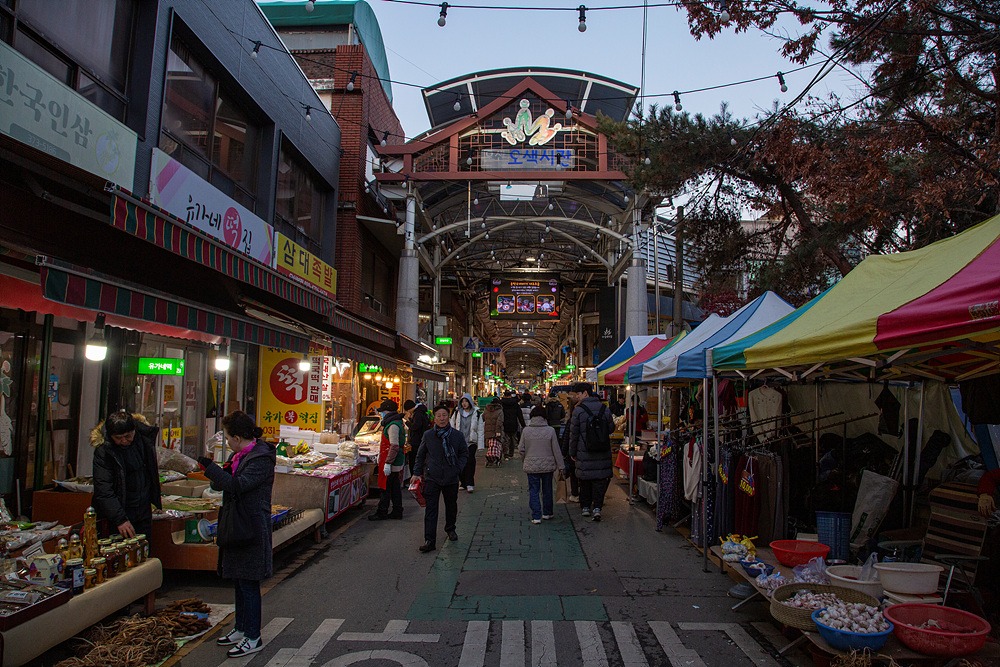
[{"x": 834, "y": 530}]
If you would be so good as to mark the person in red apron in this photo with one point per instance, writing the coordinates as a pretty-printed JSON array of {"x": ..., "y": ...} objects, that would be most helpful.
[{"x": 391, "y": 459}]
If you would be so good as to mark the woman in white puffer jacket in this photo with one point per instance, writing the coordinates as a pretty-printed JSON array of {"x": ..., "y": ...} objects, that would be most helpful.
[
  {"x": 469, "y": 420},
  {"x": 542, "y": 456}
]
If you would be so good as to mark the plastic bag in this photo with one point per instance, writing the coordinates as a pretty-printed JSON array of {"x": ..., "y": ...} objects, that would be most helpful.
[
  {"x": 171, "y": 459},
  {"x": 868, "y": 571},
  {"x": 417, "y": 490},
  {"x": 813, "y": 572}
]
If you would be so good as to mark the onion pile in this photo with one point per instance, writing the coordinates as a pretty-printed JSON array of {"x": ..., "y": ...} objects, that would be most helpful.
[
  {"x": 853, "y": 617},
  {"x": 810, "y": 600}
]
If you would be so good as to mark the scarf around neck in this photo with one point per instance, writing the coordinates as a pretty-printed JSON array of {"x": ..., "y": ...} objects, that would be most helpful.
[{"x": 449, "y": 452}]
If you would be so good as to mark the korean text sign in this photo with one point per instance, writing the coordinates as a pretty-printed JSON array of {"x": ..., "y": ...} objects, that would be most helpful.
[
  {"x": 284, "y": 393},
  {"x": 42, "y": 112},
  {"x": 182, "y": 193},
  {"x": 299, "y": 264}
]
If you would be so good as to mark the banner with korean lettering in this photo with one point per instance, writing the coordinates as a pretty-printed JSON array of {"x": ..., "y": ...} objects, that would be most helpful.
[
  {"x": 284, "y": 393},
  {"x": 327, "y": 379},
  {"x": 294, "y": 261},
  {"x": 39, "y": 110},
  {"x": 181, "y": 192}
]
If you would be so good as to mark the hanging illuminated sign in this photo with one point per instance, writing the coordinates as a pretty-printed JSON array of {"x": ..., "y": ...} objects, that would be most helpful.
[
  {"x": 158, "y": 366},
  {"x": 537, "y": 131}
]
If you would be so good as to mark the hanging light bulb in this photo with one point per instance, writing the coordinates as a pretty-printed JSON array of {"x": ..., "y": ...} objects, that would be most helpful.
[
  {"x": 724, "y": 14},
  {"x": 677, "y": 102},
  {"x": 457, "y": 106},
  {"x": 308, "y": 113},
  {"x": 305, "y": 365},
  {"x": 367, "y": 376},
  {"x": 378, "y": 377},
  {"x": 647, "y": 161},
  {"x": 443, "y": 17},
  {"x": 625, "y": 197},
  {"x": 385, "y": 138},
  {"x": 310, "y": 5},
  {"x": 547, "y": 229},
  {"x": 569, "y": 110},
  {"x": 475, "y": 202},
  {"x": 781, "y": 83},
  {"x": 97, "y": 347},
  {"x": 221, "y": 361},
  {"x": 582, "y": 26},
  {"x": 389, "y": 385},
  {"x": 487, "y": 237},
  {"x": 732, "y": 140},
  {"x": 256, "y": 49},
  {"x": 551, "y": 205},
  {"x": 350, "y": 84}
]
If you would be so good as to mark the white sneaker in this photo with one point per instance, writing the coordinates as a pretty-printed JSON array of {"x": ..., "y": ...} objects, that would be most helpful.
[
  {"x": 547, "y": 516},
  {"x": 232, "y": 639},
  {"x": 586, "y": 511},
  {"x": 246, "y": 647},
  {"x": 536, "y": 521},
  {"x": 597, "y": 514},
  {"x": 469, "y": 488},
  {"x": 574, "y": 499}
]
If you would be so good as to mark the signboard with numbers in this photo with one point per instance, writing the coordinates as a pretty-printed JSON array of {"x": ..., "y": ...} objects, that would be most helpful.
[
  {"x": 302, "y": 266},
  {"x": 181, "y": 192},
  {"x": 39, "y": 110},
  {"x": 284, "y": 393}
]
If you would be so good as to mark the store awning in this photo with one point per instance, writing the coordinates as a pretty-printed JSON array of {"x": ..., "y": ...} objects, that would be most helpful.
[
  {"x": 152, "y": 224},
  {"x": 423, "y": 373},
  {"x": 345, "y": 350},
  {"x": 344, "y": 323},
  {"x": 931, "y": 312},
  {"x": 654, "y": 349},
  {"x": 76, "y": 287}
]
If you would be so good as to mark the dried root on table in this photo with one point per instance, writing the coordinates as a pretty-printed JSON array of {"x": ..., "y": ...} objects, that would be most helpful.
[
  {"x": 131, "y": 641},
  {"x": 861, "y": 658},
  {"x": 177, "y": 616}
]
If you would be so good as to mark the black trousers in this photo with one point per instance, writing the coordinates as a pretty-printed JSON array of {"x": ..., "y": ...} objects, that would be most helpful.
[
  {"x": 432, "y": 494},
  {"x": 394, "y": 492},
  {"x": 592, "y": 492},
  {"x": 468, "y": 476},
  {"x": 511, "y": 443}
]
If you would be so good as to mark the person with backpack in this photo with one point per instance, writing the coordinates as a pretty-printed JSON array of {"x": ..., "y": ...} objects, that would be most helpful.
[
  {"x": 590, "y": 448},
  {"x": 469, "y": 420},
  {"x": 540, "y": 452}
]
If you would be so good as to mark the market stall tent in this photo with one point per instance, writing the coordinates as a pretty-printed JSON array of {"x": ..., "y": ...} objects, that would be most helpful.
[
  {"x": 687, "y": 359},
  {"x": 931, "y": 313},
  {"x": 658, "y": 346},
  {"x": 623, "y": 352}
]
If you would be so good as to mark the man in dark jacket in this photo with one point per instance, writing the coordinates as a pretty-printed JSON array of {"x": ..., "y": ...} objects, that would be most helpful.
[
  {"x": 593, "y": 468},
  {"x": 554, "y": 412},
  {"x": 126, "y": 476},
  {"x": 513, "y": 422},
  {"x": 574, "y": 483},
  {"x": 441, "y": 458}
]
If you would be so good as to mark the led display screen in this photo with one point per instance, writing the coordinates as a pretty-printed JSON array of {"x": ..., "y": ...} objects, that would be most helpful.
[{"x": 524, "y": 299}]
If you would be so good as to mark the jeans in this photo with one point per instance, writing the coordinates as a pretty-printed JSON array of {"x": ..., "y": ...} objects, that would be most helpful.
[
  {"x": 540, "y": 483},
  {"x": 468, "y": 476},
  {"x": 248, "y": 607},
  {"x": 592, "y": 492},
  {"x": 394, "y": 492},
  {"x": 432, "y": 494}
]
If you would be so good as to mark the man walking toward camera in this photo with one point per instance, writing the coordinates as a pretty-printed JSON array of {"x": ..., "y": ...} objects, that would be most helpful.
[{"x": 441, "y": 458}]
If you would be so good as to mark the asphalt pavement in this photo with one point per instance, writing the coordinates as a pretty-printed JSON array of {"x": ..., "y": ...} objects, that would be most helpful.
[{"x": 508, "y": 593}]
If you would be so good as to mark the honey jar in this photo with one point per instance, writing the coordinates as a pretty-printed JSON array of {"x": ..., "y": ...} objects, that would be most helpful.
[
  {"x": 100, "y": 565},
  {"x": 89, "y": 578}
]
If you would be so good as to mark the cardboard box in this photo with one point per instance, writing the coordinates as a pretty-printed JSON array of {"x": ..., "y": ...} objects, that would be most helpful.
[{"x": 191, "y": 488}]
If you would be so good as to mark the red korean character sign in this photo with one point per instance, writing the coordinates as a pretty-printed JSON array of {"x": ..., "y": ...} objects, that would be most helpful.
[{"x": 285, "y": 393}]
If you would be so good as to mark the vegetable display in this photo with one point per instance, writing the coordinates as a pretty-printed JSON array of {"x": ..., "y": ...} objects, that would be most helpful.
[{"x": 853, "y": 617}]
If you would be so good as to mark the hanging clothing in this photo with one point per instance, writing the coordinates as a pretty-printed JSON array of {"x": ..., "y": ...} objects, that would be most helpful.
[
  {"x": 766, "y": 477},
  {"x": 724, "y": 492},
  {"x": 765, "y": 404},
  {"x": 692, "y": 469},
  {"x": 747, "y": 505},
  {"x": 666, "y": 502}
]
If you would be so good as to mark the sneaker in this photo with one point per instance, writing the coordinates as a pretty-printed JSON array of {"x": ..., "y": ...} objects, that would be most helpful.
[
  {"x": 246, "y": 647},
  {"x": 548, "y": 516},
  {"x": 586, "y": 511},
  {"x": 469, "y": 488},
  {"x": 574, "y": 499},
  {"x": 597, "y": 514},
  {"x": 536, "y": 521},
  {"x": 232, "y": 639}
]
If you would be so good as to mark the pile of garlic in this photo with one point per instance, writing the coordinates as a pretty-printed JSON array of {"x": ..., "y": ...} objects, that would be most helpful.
[
  {"x": 810, "y": 600},
  {"x": 853, "y": 617}
]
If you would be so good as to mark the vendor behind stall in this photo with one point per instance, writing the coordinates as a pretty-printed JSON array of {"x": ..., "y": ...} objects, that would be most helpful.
[{"x": 126, "y": 478}]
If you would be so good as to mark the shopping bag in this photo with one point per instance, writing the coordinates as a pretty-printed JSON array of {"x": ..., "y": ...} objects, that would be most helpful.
[
  {"x": 561, "y": 482},
  {"x": 875, "y": 493},
  {"x": 417, "y": 490}
]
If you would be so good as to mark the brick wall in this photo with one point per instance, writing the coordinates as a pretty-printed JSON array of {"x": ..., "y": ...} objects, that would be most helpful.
[{"x": 364, "y": 109}]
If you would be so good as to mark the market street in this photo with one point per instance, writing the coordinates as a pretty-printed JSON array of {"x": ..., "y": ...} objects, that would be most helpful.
[{"x": 566, "y": 592}]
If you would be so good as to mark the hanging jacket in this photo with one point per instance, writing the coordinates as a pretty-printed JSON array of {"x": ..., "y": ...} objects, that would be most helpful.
[{"x": 539, "y": 447}]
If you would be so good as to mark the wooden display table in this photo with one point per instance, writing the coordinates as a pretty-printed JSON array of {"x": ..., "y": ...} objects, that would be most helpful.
[
  {"x": 30, "y": 639},
  {"x": 334, "y": 495}
]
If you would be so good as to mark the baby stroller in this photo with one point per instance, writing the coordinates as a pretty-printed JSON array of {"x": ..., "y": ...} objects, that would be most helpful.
[{"x": 494, "y": 452}]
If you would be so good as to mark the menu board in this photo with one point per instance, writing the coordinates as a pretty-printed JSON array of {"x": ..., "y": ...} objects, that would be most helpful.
[{"x": 524, "y": 299}]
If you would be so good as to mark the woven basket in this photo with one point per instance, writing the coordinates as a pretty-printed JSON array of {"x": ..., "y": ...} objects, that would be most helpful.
[{"x": 802, "y": 618}]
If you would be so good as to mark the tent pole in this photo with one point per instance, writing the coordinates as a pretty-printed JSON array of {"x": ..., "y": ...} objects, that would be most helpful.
[
  {"x": 631, "y": 454},
  {"x": 906, "y": 455},
  {"x": 705, "y": 542},
  {"x": 715, "y": 435},
  {"x": 915, "y": 479}
]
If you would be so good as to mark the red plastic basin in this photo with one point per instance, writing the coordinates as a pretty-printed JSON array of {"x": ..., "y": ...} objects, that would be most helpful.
[
  {"x": 909, "y": 616},
  {"x": 797, "y": 552}
]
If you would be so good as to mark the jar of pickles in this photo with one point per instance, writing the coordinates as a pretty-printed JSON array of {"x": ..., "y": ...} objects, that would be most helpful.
[
  {"x": 143, "y": 547},
  {"x": 100, "y": 565},
  {"x": 127, "y": 551},
  {"x": 89, "y": 578}
]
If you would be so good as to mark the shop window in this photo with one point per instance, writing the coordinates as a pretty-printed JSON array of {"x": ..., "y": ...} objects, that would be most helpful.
[
  {"x": 206, "y": 130},
  {"x": 298, "y": 201},
  {"x": 84, "y": 43},
  {"x": 376, "y": 282}
]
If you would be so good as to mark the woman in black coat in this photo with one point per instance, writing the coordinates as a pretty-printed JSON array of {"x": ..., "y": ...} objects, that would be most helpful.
[{"x": 245, "y": 519}]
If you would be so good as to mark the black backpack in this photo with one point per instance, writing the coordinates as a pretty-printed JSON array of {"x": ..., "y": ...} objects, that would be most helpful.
[{"x": 597, "y": 437}]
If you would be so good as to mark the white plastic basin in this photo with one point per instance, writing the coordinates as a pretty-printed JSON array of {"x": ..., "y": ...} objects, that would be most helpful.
[
  {"x": 910, "y": 578},
  {"x": 848, "y": 577}
]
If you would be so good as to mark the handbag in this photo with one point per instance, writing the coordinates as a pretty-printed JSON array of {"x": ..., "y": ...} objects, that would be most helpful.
[
  {"x": 416, "y": 489},
  {"x": 235, "y": 526}
]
